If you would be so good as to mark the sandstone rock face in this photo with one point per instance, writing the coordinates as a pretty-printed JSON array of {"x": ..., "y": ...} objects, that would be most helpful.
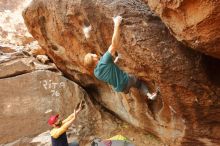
[
  {"x": 186, "y": 112},
  {"x": 15, "y": 67},
  {"x": 193, "y": 22},
  {"x": 17, "y": 63},
  {"x": 26, "y": 100}
]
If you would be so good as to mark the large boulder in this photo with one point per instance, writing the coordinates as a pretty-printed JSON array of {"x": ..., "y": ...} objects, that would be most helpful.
[
  {"x": 29, "y": 99},
  {"x": 186, "y": 112},
  {"x": 193, "y": 22}
]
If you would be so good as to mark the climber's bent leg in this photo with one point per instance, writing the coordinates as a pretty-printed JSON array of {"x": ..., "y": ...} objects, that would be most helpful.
[
  {"x": 144, "y": 90},
  {"x": 136, "y": 83},
  {"x": 132, "y": 82}
]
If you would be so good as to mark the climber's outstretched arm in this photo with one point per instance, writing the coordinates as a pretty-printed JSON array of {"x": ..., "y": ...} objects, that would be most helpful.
[
  {"x": 78, "y": 108},
  {"x": 116, "y": 35}
]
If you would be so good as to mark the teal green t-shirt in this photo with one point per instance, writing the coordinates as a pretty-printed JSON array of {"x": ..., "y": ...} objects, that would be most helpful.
[{"x": 107, "y": 71}]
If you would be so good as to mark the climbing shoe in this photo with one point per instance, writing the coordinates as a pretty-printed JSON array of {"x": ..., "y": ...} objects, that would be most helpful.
[{"x": 152, "y": 96}]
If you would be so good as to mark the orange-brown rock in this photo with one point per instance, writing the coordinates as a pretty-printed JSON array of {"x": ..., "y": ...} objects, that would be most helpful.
[
  {"x": 37, "y": 51},
  {"x": 186, "y": 112},
  {"x": 193, "y": 22}
]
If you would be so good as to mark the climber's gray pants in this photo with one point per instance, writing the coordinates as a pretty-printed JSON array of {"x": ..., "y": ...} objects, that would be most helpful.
[{"x": 136, "y": 83}]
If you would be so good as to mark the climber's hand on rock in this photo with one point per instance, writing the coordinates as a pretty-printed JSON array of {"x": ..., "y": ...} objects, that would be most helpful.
[
  {"x": 79, "y": 107},
  {"x": 74, "y": 114},
  {"x": 119, "y": 55},
  {"x": 117, "y": 20}
]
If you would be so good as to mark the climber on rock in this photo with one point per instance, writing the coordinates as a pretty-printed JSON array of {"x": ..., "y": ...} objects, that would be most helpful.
[
  {"x": 106, "y": 70},
  {"x": 58, "y": 133}
]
